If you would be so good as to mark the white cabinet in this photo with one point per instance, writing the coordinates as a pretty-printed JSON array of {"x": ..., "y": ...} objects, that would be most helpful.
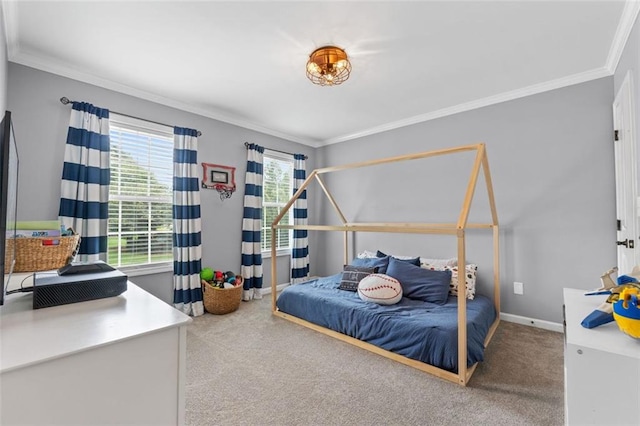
[
  {"x": 119, "y": 360},
  {"x": 601, "y": 368}
]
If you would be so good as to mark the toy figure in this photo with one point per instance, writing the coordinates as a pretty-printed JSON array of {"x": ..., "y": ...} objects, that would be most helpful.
[
  {"x": 218, "y": 279},
  {"x": 627, "y": 313},
  {"x": 603, "y": 314}
]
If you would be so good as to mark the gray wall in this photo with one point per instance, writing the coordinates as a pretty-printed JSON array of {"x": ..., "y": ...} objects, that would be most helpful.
[
  {"x": 41, "y": 123},
  {"x": 552, "y": 164},
  {"x": 3, "y": 63}
]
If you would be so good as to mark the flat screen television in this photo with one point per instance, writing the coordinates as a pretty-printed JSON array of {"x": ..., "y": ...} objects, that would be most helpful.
[{"x": 8, "y": 198}]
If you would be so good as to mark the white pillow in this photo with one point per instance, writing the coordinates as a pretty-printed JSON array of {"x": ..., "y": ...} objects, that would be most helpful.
[
  {"x": 439, "y": 263},
  {"x": 381, "y": 289},
  {"x": 403, "y": 257},
  {"x": 470, "y": 278},
  {"x": 366, "y": 255}
]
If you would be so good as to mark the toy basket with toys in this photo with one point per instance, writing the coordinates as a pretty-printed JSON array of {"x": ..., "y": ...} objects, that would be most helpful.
[
  {"x": 34, "y": 254},
  {"x": 220, "y": 301}
]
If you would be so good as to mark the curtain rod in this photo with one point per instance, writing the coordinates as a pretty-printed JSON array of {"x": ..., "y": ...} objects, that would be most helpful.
[
  {"x": 246, "y": 145},
  {"x": 64, "y": 100}
]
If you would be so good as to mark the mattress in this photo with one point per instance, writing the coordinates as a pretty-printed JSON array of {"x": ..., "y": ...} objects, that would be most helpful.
[{"x": 418, "y": 330}]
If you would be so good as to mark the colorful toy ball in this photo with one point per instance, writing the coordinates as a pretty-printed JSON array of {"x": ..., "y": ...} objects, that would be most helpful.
[
  {"x": 229, "y": 274},
  {"x": 626, "y": 312},
  {"x": 206, "y": 274}
]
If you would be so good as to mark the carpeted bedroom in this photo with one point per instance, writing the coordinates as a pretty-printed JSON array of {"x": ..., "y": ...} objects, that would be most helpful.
[{"x": 249, "y": 368}]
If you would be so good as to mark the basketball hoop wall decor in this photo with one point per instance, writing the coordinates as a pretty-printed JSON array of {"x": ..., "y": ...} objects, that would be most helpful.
[{"x": 220, "y": 178}]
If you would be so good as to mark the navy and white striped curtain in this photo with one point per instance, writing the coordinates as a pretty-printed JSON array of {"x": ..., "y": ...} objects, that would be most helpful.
[
  {"x": 252, "y": 224},
  {"x": 187, "y": 229},
  {"x": 84, "y": 194},
  {"x": 300, "y": 247}
]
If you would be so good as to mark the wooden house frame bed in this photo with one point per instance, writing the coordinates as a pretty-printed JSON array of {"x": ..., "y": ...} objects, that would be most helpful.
[{"x": 457, "y": 230}]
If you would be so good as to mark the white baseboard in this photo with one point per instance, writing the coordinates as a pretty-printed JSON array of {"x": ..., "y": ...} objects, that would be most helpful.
[
  {"x": 532, "y": 322},
  {"x": 279, "y": 287}
]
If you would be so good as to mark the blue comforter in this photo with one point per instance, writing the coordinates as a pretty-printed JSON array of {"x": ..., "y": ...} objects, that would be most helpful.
[{"x": 418, "y": 330}]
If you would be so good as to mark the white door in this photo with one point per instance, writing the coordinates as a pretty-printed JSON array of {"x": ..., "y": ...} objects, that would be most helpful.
[{"x": 626, "y": 187}]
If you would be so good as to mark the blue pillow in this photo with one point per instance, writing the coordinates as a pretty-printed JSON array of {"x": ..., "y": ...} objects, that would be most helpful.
[
  {"x": 419, "y": 283},
  {"x": 373, "y": 262},
  {"x": 413, "y": 261}
]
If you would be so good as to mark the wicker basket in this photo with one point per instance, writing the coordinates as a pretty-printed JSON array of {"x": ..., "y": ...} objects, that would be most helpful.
[
  {"x": 34, "y": 254},
  {"x": 221, "y": 301}
]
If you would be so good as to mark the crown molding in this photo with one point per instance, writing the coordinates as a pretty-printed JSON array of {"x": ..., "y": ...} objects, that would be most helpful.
[
  {"x": 479, "y": 103},
  {"x": 47, "y": 65},
  {"x": 55, "y": 68},
  {"x": 10, "y": 24},
  {"x": 625, "y": 25}
]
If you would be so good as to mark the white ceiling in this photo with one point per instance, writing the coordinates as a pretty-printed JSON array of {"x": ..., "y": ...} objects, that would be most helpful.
[{"x": 244, "y": 62}]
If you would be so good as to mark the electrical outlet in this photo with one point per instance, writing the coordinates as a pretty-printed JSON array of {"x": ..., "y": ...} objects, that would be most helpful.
[{"x": 518, "y": 288}]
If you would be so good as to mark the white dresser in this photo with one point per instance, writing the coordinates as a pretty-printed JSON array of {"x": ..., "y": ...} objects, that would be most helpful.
[
  {"x": 119, "y": 360},
  {"x": 601, "y": 368}
]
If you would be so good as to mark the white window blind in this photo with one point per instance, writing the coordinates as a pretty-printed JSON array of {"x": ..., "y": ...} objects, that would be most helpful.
[
  {"x": 277, "y": 189},
  {"x": 140, "y": 227}
]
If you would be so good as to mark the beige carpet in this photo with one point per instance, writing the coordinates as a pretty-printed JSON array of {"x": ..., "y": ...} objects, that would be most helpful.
[{"x": 250, "y": 368}]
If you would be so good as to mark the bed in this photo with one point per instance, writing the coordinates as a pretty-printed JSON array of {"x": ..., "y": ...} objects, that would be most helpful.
[
  {"x": 422, "y": 331},
  {"x": 399, "y": 332}
]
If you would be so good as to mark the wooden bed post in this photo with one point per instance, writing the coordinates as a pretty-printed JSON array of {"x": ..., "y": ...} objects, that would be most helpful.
[
  {"x": 496, "y": 269},
  {"x": 274, "y": 270},
  {"x": 496, "y": 235},
  {"x": 462, "y": 263},
  {"x": 462, "y": 311},
  {"x": 346, "y": 248}
]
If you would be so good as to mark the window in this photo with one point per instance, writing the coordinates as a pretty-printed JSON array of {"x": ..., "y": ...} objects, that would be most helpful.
[
  {"x": 277, "y": 189},
  {"x": 140, "y": 226}
]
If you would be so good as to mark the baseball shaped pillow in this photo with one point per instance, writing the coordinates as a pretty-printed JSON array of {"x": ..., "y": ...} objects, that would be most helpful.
[{"x": 381, "y": 289}]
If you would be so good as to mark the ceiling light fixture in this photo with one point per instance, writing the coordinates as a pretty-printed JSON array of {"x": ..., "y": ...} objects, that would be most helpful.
[{"x": 328, "y": 66}]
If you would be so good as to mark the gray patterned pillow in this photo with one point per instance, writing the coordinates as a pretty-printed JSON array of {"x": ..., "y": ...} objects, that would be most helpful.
[{"x": 352, "y": 275}]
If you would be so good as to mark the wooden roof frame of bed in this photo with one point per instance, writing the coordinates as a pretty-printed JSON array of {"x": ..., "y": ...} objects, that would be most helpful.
[{"x": 456, "y": 229}]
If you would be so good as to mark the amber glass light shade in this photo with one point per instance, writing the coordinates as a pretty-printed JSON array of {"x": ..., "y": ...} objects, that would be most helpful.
[{"x": 328, "y": 66}]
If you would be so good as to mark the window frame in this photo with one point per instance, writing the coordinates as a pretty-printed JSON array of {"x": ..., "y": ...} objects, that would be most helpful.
[
  {"x": 288, "y": 159},
  {"x": 155, "y": 130}
]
